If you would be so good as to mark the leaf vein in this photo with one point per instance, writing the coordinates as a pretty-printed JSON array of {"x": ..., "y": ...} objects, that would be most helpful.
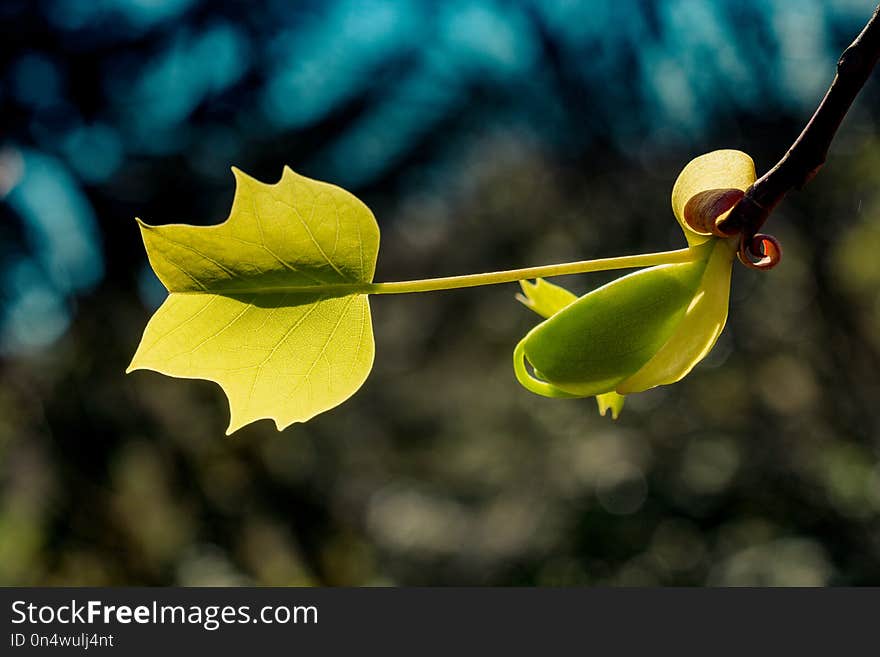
[
  {"x": 311, "y": 235},
  {"x": 323, "y": 348}
]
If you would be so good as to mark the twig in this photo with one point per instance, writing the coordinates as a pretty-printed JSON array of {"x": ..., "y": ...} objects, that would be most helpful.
[{"x": 808, "y": 153}]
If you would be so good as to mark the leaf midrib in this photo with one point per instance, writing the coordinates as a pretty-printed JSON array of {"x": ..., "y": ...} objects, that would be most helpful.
[{"x": 330, "y": 289}]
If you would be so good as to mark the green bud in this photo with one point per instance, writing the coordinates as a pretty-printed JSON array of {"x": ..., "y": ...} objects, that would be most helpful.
[{"x": 647, "y": 328}]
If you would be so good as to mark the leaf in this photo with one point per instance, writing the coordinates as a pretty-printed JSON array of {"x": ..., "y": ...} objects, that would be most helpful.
[
  {"x": 267, "y": 304},
  {"x": 647, "y": 328},
  {"x": 547, "y": 299},
  {"x": 607, "y": 335},
  {"x": 698, "y": 330}
]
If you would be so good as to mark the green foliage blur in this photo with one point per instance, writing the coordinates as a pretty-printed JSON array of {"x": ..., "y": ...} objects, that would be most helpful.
[{"x": 762, "y": 467}]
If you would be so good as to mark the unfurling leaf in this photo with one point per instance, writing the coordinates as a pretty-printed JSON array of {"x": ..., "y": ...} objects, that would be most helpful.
[
  {"x": 547, "y": 299},
  {"x": 647, "y": 328},
  {"x": 266, "y": 304}
]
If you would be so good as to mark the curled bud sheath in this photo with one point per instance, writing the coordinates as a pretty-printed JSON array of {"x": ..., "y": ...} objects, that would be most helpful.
[{"x": 704, "y": 210}]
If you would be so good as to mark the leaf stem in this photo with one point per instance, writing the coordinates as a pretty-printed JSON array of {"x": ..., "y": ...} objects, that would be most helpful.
[{"x": 545, "y": 271}]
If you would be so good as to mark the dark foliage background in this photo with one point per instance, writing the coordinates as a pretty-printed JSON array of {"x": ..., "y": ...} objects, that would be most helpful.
[{"x": 484, "y": 135}]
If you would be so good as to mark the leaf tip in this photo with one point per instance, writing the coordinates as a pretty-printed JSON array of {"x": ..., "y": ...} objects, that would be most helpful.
[
  {"x": 239, "y": 175},
  {"x": 612, "y": 401},
  {"x": 523, "y": 297},
  {"x": 145, "y": 229},
  {"x": 135, "y": 362},
  {"x": 235, "y": 423}
]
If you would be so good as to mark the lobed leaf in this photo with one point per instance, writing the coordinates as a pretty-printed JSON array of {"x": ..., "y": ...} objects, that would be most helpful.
[{"x": 266, "y": 303}]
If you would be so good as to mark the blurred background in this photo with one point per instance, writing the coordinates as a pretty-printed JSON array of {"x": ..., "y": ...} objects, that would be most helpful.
[{"x": 484, "y": 135}]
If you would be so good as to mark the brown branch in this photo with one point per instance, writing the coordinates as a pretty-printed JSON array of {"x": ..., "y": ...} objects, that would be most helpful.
[{"x": 809, "y": 151}]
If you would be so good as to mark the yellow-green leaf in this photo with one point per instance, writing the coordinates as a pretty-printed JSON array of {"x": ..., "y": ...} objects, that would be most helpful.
[
  {"x": 267, "y": 304},
  {"x": 698, "y": 329},
  {"x": 604, "y": 337},
  {"x": 648, "y": 328},
  {"x": 547, "y": 299}
]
